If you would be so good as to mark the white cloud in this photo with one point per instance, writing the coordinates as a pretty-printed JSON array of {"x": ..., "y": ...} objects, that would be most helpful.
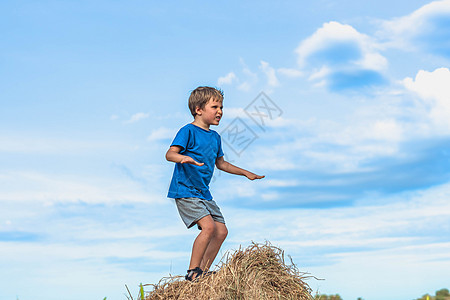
[
  {"x": 340, "y": 57},
  {"x": 362, "y": 50},
  {"x": 281, "y": 183},
  {"x": 387, "y": 130},
  {"x": 383, "y": 224},
  {"x": 250, "y": 78},
  {"x": 434, "y": 90},
  {"x": 242, "y": 187},
  {"x": 161, "y": 133},
  {"x": 270, "y": 73},
  {"x": 30, "y": 143},
  {"x": 137, "y": 117},
  {"x": 319, "y": 74},
  {"x": 425, "y": 28},
  {"x": 322, "y": 37},
  {"x": 105, "y": 242},
  {"x": 227, "y": 79},
  {"x": 433, "y": 86},
  {"x": 288, "y": 72},
  {"x": 245, "y": 80},
  {"x": 331, "y": 146},
  {"x": 416, "y": 21},
  {"x": 245, "y": 86},
  {"x": 48, "y": 188},
  {"x": 382, "y": 221}
]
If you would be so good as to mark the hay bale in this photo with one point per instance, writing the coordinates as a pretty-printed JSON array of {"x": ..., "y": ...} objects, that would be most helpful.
[{"x": 257, "y": 272}]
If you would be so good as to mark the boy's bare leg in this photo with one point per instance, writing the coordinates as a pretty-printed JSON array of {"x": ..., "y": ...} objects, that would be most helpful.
[
  {"x": 202, "y": 241},
  {"x": 214, "y": 245}
]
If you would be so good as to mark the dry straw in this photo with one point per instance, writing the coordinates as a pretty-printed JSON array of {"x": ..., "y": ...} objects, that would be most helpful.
[{"x": 257, "y": 272}]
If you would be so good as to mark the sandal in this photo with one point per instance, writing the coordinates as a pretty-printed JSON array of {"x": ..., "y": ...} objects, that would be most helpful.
[
  {"x": 191, "y": 272},
  {"x": 207, "y": 273}
]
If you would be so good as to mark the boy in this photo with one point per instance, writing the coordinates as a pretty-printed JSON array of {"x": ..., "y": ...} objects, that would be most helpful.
[{"x": 195, "y": 150}]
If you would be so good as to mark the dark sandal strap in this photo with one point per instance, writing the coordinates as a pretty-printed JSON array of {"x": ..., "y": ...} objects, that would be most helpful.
[
  {"x": 191, "y": 273},
  {"x": 206, "y": 273}
]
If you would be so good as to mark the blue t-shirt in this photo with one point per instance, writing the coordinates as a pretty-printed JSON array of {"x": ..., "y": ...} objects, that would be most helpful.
[{"x": 204, "y": 146}]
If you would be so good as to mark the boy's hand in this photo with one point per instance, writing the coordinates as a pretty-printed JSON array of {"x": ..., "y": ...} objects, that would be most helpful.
[
  {"x": 190, "y": 160},
  {"x": 253, "y": 176},
  {"x": 225, "y": 166},
  {"x": 173, "y": 154}
]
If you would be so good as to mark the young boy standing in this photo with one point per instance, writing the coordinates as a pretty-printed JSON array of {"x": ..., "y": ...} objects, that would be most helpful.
[{"x": 196, "y": 149}]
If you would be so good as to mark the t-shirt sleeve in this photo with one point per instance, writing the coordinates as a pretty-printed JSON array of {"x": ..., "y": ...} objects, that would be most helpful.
[
  {"x": 181, "y": 139},
  {"x": 220, "y": 152}
]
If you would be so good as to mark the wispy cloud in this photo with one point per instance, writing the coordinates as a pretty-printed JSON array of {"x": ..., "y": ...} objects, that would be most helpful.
[
  {"x": 137, "y": 117},
  {"x": 20, "y": 142},
  {"x": 161, "y": 133},
  {"x": 374, "y": 226},
  {"x": 289, "y": 72},
  {"x": 18, "y": 236},
  {"x": 425, "y": 29},
  {"x": 227, "y": 79},
  {"x": 270, "y": 73},
  {"x": 245, "y": 79},
  {"x": 48, "y": 188}
]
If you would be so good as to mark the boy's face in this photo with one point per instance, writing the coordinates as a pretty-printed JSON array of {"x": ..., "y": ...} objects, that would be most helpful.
[{"x": 211, "y": 113}]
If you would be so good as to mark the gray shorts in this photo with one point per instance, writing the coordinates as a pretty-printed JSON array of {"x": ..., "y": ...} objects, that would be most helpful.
[{"x": 192, "y": 209}]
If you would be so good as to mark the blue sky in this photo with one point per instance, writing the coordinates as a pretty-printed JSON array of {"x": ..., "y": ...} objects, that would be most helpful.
[{"x": 353, "y": 135}]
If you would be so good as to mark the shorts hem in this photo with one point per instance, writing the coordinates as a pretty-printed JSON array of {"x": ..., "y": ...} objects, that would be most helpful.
[
  {"x": 198, "y": 219},
  {"x": 192, "y": 209}
]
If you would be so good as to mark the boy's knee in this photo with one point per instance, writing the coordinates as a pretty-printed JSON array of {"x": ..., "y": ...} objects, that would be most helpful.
[
  {"x": 221, "y": 232},
  {"x": 209, "y": 228}
]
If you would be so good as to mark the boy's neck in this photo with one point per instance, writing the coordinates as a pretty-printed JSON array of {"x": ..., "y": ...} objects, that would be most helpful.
[{"x": 200, "y": 124}]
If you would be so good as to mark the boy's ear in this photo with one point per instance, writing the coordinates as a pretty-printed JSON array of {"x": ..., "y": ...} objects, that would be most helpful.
[{"x": 198, "y": 110}]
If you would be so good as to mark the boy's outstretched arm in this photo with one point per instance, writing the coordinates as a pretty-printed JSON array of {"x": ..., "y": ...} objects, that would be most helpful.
[
  {"x": 225, "y": 166},
  {"x": 173, "y": 155}
]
